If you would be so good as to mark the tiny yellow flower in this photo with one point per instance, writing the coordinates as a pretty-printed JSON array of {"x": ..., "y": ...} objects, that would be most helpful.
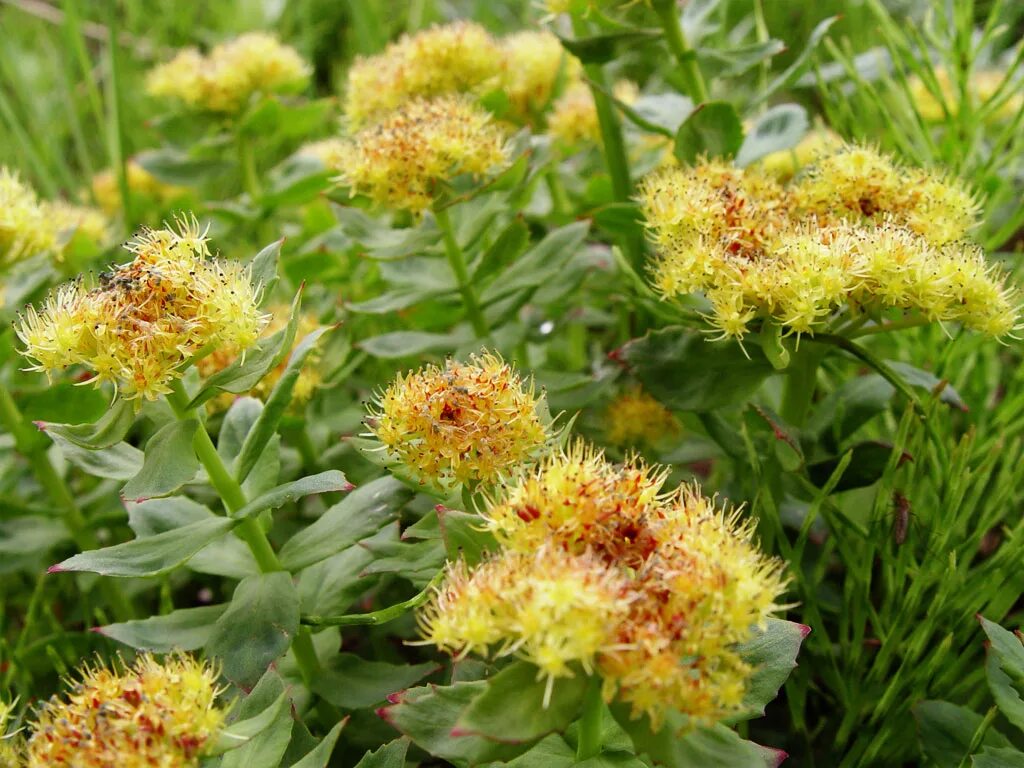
[
  {"x": 145, "y": 318},
  {"x": 573, "y": 117},
  {"x": 25, "y": 229},
  {"x": 465, "y": 422},
  {"x": 225, "y": 79},
  {"x": 149, "y": 714},
  {"x": 461, "y": 57},
  {"x": 404, "y": 160},
  {"x": 306, "y": 383},
  {"x": 636, "y": 418},
  {"x": 534, "y": 65},
  {"x": 322, "y": 151},
  {"x": 140, "y": 181}
]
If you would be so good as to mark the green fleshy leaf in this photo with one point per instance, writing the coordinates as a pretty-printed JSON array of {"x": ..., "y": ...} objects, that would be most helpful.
[
  {"x": 1004, "y": 667},
  {"x": 186, "y": 629},
  {"x": 119, "y": 461},
  {"x": 507, "y": 248},
  {"x": 323, "y": 482},
  {"x": 463, "y": 533},
  {"x": 772, "y": 653},
  {"x": 780, "y": 128},
  {"x": 602, "y": 48},
  {"x": 170, "y": 462},
  {"x": 686, "y": 372},
  {"x": 107, "y": 431},
  {"x": 870, "y": 458},
  {"x": 331, "y": 586},
  {"x": 390, "y": 755},
  {"x": 257, "y": 628},
  {"x": 243, "y": 731},
  {"x": 172, "y": 166},
  {"x": 390, "y": 346},
  {"x": 991, "y": 757},
  {"x": 733, "y": 62},
  {"x": 360, "y": 514},
  {"x": 264, "y": 268},
  {"x": 946, "y": 731},
  {"x": 713, "y": 130},
  {"x": 152, "y": 555},
  {"x": 512, "y": 708},
  {"x": 321, "y": 754},
  {"x": 539, "y": 264},
  {"x": 351, "y": 682}
]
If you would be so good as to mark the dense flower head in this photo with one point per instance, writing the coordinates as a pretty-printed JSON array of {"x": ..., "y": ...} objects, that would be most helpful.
[
  {"x": 982, "y": 87},
  {"x": 143, "y": 319},
  {"x": 403, "y": 160},
  {"x": 463, "y": 422},
  {"x": 150, "y": 713},
  {"x": 853, "y": 231},
  {"x": 322, "y": 150},
  {"x": 535, "y": 63},
  {"x": 308, "y": 379},
  {"x": 12, "y": 746},
  {"x": 141, "y": 182},
  {"x": 573, "y": 116},
  {"x": 460, "y": 57},
  {"x": 25, "y": 228},
  {"x": 662, "y": 586},
  {"x": 636, "y": 418},
  {"x": 225, "y": 78}
]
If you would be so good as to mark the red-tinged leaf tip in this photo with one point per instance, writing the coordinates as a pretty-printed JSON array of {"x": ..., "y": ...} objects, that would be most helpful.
[
  {"x": 804, "y": 630},
  {"x": 458, "y": 733},
  {"x": 348, "y": 487},
  {"x": 439, "y": 508},
  {"x": 98, "y": 630},
  {"x": 384, "y": 714},
  {"x": 55, "y": 569},
  {"x": 396, "y": 697},
  {"x": 40, "y": 425},
  {"x": 778, "y": 756}
]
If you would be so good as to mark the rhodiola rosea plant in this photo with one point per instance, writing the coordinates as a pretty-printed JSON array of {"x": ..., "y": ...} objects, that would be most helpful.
[{"x": 574, "y": 383}]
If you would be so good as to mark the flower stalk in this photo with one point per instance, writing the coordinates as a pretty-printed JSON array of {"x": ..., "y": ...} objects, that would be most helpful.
[
  {"x": 668, "y": 15},
  {"x": 457, "y": 261}
]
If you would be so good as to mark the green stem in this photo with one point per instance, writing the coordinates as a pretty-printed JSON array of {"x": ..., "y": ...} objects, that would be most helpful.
[
  {"x": 589, "y": 739},
  {"x": 457, "y": 260},
  {"x": 895, "y": 325},
  {"x": 613, "y": 146},
  {"x": 115, "y": 119},
  {"x": 560, "y": 205},
  {"x": 28, "y": 444},
  {"x": 247, "y": 162},
  {"x": 801, "y": 381},
  {"x": 668, "y": 14}
]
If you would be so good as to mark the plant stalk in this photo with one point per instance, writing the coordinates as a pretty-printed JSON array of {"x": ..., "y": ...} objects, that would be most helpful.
[
  {"x": 668, "y": 14},
  {"x": 457, "y": 260},
  {"x": 247, "y": 163},
  {"x": 801, "y": 381}
]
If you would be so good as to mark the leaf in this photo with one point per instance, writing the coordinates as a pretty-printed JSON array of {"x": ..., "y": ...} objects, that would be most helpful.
[
  {"x": 178, "y": 168},
  {"x": 279, "y": 400},
  {"x": 946, "y": 731},
  {"x": 998, "y": 758},
  {"x": 666, "y": 111},
  {"x": 360, "y": 514},
  {"x": 30, "y": 535},
  {"x": 506, "y": 248},
  {"x": 713, "y": 129},
  {"x": 463, "y": 532},
  {"x": 323, "y": 482},
  {"x": 537, "y": 265},
  {"x": 732, "y": 62},
  {"x": 119, "y": 461},
  {"x": 772, "y": 654},
  {"x": 186, "y": 629},
  {"x": 512, "y": 710},
  {"x": 550, "y": 752},
  {"x": 63, "y": 401},
  {"x": 390, "y": 755},
  {"x": 257, "y": 627},
  {"x": 870, "y": 458},
  {"x": 800, "y": 63},
  {"x": 389, "y": 346},
  {"x": 392, "y": 301},
  {"x": 351, "y": 682},
  {"x": 331, "y": 586},
  {"x": 263, "y": 268},
  {"x": 687, "y": 373},
  {"x": 428, "y": 714},
  {"x": 851, "y": 405},
  {"x": 599, "y": 49},
  {"x": 107, "y": 431},
  {"x": 266, "y": 748},
  {"x": 921, "y": 379},
  {"x": 170, "y": 462},
  {"x": 780, "y": 128},
  {"x": 321, "y": 754},
  {"x": 1004, "y": 667},
  {"x": 383, "y": 242},
  {"x": 418, "y": 562},
  {"x": 149, "y": 556},
  {"x": 242, "y": 731},
  {"x": 244, "y": 374}
]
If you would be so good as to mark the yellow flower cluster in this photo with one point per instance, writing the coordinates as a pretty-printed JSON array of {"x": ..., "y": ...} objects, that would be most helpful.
[
  {"x": 25, "y": 227},
  {"x": 322, "y": 151},
  {"x": 145, "y": 318},
  {"x": 982, "y": 87},
  {"x": 403, "y": 160},
  {"x": 141, "y": 183},
  {"x": 150, "y": 714},
  {"x": 455, "y": 58},
  {"x": 785, "y": 164},
  {"x": 462, "y": 423},
  {"x": 29, "y": 226},
  {"x": 307, "y": 381},
  {"x": 534, "y": 65},
  {"x": 854, "y": 230},
  {"x": 225, "y": 78},
  {"x": 636, "y": 418},
  {"x": 574, "y": 116},
  {"x": 661, "y": 587},
  {"x": 12, "y": 747}
]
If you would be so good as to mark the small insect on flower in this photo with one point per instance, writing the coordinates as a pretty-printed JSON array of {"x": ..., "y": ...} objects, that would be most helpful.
[
  {"x": 141, "y": 183},
  {"x": 635, "y": 418},
  {"x": 447, "y": 59},
  {"x": 225, "y": 79},
  {"x": 404, "y": 160},
  {"x": 600, "y": 569},
  {"x": 463, "y": 423},
  {"x": 144, "y": 319},
  {"x": 536, "y": 68},
  {"x": 25, "y": 228},
  {"x": 149, "y": 713}
]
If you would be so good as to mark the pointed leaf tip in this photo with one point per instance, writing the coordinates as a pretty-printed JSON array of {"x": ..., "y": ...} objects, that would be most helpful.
[
  {"x": 55, "y": 569},
  {"x": 804, "y": 630}
]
